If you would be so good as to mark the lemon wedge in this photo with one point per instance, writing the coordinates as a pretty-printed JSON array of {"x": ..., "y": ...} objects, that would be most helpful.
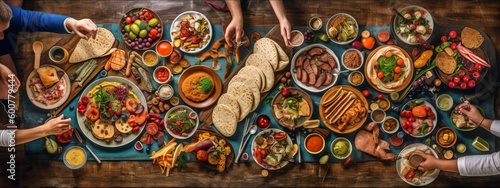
[{"x": 481, "y": 144}]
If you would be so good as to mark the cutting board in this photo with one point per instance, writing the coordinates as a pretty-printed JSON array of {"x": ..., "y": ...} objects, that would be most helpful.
[{"x": 274, "y": 34}]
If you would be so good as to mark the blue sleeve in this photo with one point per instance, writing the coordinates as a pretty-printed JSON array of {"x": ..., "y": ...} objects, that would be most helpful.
[{"x": 33, "y": 21}]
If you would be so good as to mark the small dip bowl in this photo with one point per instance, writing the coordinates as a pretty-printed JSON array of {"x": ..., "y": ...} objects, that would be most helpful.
[
  {"x": 446, "y": 137},
  {"x": 461, "y": 148},
  {"x": 75, "y": 157},
  {"x": 384, "y": 104},
  {"x": 341, "y": 148},
  {"x": 444, "y": 102},
  {"x": 58, "y": 54},
  {"x": 164, "y": 48},
  {"x": 390, "y": 125},
  {"x": 315, "y": 23},
  {"x": 263, "y": 121},
  {"x": 314, "y": 143},
  {"x": 296, "y": 38},
  {"x": 162, "y": 75},
  {"x": 352, "y": 59},
  {"x": 356, "y": 78},
  {"x": 150, "y": 58},
  {"x": 165, "y": 92},
  {"x": 378, "y": 115}
]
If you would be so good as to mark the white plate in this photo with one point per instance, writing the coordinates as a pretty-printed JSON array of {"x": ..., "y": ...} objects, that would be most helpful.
[
  {"x": 127, "y": 138},
  {"x": 284, "y": 161},
  {"x": 427, "y": 16},
  {"x": 58, "y": 103},
  {"x": 399, "y": 166},
  {"x": 335, "y": 72},
  {"x": 184, "y": 14},
  {"x": 433, "y": 121}
]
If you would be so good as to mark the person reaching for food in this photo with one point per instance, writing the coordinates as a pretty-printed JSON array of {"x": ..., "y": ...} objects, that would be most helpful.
[
  {"x": 235, "y": 27},
  {"x": 52, "y": 127},
  {"x": 474, "y": 165}
]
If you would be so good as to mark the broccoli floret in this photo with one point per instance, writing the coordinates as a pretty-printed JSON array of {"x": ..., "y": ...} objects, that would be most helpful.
[{"x": 206, "y": 85}]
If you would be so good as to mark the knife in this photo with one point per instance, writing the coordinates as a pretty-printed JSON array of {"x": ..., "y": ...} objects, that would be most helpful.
[
  {"x": 297, "y": 137},
  {"x": 80, "y": 139}
]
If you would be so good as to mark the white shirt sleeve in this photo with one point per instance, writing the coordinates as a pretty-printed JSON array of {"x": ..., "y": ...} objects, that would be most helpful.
[
  {"x": 5, "y": 137},
  {"x": 481, "y": 165}
]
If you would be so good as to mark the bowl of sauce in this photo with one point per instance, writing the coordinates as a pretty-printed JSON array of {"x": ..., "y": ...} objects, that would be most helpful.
[
  {"x": 446, "y": 137},
  {"x": 296, "y": 38},
  {"x": 314, "y": 143},
  {"x": 150, "y": 58},
  {"x": 341, "y": 148},
  {"x": 165, "y": 92},
  {"x": 315, "y": 23},
  {"x": 164, "y": 48},
  {"x": 356, "y": 78},
  {"x": 390, "y": 125},
  {"x": 58, "y": 54},
  {"x": 162, "y": 75},
  {"x": 378, "y": 115},
  {"x": 75, "y": 157},
  {"x": 444, "y": 102}
]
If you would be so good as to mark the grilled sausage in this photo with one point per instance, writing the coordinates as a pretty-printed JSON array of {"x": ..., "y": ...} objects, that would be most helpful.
[
  {"x": 298, "y": 72},
  {"x": 329, "y": 59},
  {"x": 320, "y": 80},
  {"x": 316, "y": 51},
  {"x": 329, "y": 79},
  {"x": 307, "y": 66},
  {"x": 325, "y": 67},
  {"x": 304, "y": 77},
  {"x": 300, "y": 60},
  {"x": 312, "y": 79}
]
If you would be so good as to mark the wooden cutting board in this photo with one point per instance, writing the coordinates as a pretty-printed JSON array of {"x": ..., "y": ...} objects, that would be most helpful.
[
  {"x": 274, "y": 34},
  {"x": 70, "y": 68}
]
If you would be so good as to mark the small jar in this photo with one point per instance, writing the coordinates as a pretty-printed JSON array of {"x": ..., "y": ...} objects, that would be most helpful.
[
  {"x": 58, "y": 54},
  {"x": 165, "y": 92}
]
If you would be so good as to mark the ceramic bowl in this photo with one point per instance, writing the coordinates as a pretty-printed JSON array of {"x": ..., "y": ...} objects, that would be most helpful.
[
  {"x": 191, "y": 117},
  {"x": 348, "y": 52},
  {"x": 332, "y": 38},
  {"x": 73, "y": 153},
  {"x": 349, "y": 78},
  {"x": 150, "y": 58},
  {"x": 162, "y": 75},
  {"x": 349, "y": 148},
  {"x": 312, "y": 136},
  {"x": 395, "y": 126}
]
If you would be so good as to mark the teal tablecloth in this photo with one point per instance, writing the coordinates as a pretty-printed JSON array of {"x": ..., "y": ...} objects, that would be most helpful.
[{"x": 34, "y": 116}]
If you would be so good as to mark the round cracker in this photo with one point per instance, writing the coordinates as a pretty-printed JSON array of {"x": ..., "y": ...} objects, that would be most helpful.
[
  {"x": 265, "y": 48},
  {"x": 249, "y": 81},
  {"x": 224, "y": 120},
  {"x": 266, "y": 69},
  {"x": 230, "y": 100},
  {"x": 471, "y": 38},
  {"x": 244, "y": 97}
]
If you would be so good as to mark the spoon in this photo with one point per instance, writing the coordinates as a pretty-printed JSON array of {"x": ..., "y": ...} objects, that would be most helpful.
[
  {"x": 37, "y": 48},
  {"x": 393, "y": 10},
  {"x": 252, "y": 131}
]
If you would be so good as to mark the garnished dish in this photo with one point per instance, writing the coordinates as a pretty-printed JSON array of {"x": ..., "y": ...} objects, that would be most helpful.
[
  {"x": 110, "y": 112},
  {"x": 461, "y": 63},
  {"x": 341, "y": 148},
  {"x": 389, "y": 69},
  {"x": 342, "y": 28},
  {"x": 272, "y": 148},
  {"x": 48, "y": 87},
  {"x": 315, "y": 68},
  {"x": 418, "y": 118},
  {"x": 419, "y": 26},
  {"x": 446, "y": 137},
  {"x": 461, "y": 121},
  {"x": 211, "y": 149},
  {"x": 191, "y": 32},
  {"x": 291, "y": 107},
  {"x": 181, "y": 122},
  {"x": 343, "y": 109},
  {"x": 410, "y": 159},
  {"x": 141, "y": 28},
  {"x": 199, "y": 86}
]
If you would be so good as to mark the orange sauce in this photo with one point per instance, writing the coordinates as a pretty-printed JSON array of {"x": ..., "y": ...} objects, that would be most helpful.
[
  {"x": 314, "y": 143},
  {"x": 164, "y": 48}
]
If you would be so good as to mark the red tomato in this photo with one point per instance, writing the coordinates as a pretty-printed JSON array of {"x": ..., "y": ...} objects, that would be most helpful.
[
  {"x": 153, "y": 31},
  {"x": 476, "y": 75},
  {"x": 263, "y": 122},
  {"x": 422, "y": 12},
  {"x": 466, "y": 78},
  {"x": 410, "y": 130},
  {"x": 400, "y": 61},
  {"x": 81, "y": 108},
  {"x": 257, "y": 155},
  {"x": 128, "y": 20},
  {"x": 453, "y": 34},
  {"x": 444, "y": 38},
  {"x": 411, "y": 119},
  {"x": 152, "y": 128},
  {"x": 280, "y": 135},
  {"x": 85, "y": 100},
  {"x": 202, "y": 155},
  {"x": 380, "y": 96},
  {"x": 461, "y": 73},
  {"x": 136, "y": 129},
  {"x": 366, "y": 93},
  {"x": 93, "y": 114},
  {"x": 478, "y": 66},
  {"x": 410, "y": 174},
  {"x": 463, "y": 85},
  {"x": 453, "y": 46},
  {"x": 471, "y": 83},
  {"x": 397, "y": 69},
  {"x": 66, "y": 136},
  {"x": 431, "y": 115},
  {"x": 456, "y": 79},
  {"x": 452, "y": 84},
  {"x": 383, "y": 36}
]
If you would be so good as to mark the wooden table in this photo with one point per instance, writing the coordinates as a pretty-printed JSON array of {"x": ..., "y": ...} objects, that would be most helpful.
[{"x": 483, "y": 14}]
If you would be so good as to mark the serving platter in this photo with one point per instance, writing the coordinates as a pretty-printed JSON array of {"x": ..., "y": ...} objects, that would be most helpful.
[
  {"x": 217, "y": 86},
  {"x": 296, "y": 94},
  {"x": 424, "y": 103},
  {"x": 184, "y": 16},
  {"x": 325, "y": 117},
  {"x": 64, "y": 98},
  {"x": 155, "y": 39},
  {"x": 229, "y": 158},
  {"x": 127, "y": 138},
  {"x": 400, "y": 165},
  {"x": 284, "y": 161}
]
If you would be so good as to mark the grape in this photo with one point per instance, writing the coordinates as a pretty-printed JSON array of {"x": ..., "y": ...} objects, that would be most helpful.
[
  {"x": 143, "y": 43},
  {"x": 159, "y": 30},
  {"x": 129, "y": 41},
  {"x": 148, "y": 44},
  {"x": 124, "y": 16},
  {"x": 140, "y": 39},
  {"x": 140, "y": 46},
  {"x": 141, "y": 13},
  {"x": 126, "y": 34},
  {"x": 149, "y": 39},
  {"x": 123, "y": 30},
  {"x": 158, "y": 25},
  {"x": 132, "y": 44}
]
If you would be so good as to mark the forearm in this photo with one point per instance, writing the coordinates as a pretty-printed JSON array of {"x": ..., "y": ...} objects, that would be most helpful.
[
  {"x": 27, "y": 135},
  {"x": 479, "y": 165},
  {"x": 447, "y": 165},
  {"x": 279, "y": 9},
  {"x": 235, "y": 9}
]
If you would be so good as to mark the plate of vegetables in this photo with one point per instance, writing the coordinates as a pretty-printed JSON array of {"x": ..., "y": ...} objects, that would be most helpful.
[
  {"x": 418, "y": 118},
  {"x": 212, "y": 150},
  {"x": 110, "y": 112},
  {"x": 272, "y": 149},
  {"x": 419, "y": 27},
  {"x": 181, "y": 122},
  {"x": 191, "y": 32}
]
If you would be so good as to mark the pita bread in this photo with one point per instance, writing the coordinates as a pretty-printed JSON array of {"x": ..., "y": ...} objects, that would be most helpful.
[
  {"x": 231, "y": 102},
  {"x": 254, "y": 60},
  {"x": 92, "y": 48},
  {"x": 249, "y": 81},
  {"x": 283, "y": 59},
  {"x": 445, "y": 63},
  {"x": 264, "y": 48},
  {"x": 244, "y": 97},
  {"x": 224, "y": 120},
  {"x": 109, "y": 52},
  {"x": 471, "y": 38}
]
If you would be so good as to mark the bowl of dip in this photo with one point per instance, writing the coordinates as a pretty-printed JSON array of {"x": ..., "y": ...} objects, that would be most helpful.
[
  {"x": 164, "y": 48},
  {"x": 341, "y": 148},
  {"x": 150, "y": 58},
  {"x": 352, "y": 59},
  {"x": 444, "y": 102},
  {"x": 296, "y": 38},
  {"x": 446, "y": 137},
  {"x": 165, "y": 92},
  {"x": 75, "y": 157},
  {"x": 390, "y": 125},
  {"x": 378, "y": 115},
  {"x": 356, "y": 78},
  {"x": 314, "y": 143},
  {"x": 162, "y": 75},
  {"x": 315, "y": 23}
]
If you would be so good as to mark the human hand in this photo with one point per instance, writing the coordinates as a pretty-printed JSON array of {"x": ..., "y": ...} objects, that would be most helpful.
[
  {"x": 285, "y": 29},
  {"x": 5, "y": 75},
  {"x": 85, "y": 28},
  {"x": 234, "y": 31},
  {"x": 428, "y": 163},
  {"x": 470, "y": 111},
  {"x": 56, "y": 125}
]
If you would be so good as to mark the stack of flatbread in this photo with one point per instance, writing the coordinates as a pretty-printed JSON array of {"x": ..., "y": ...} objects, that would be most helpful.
[
  {"x": 244, "y": 89},
  {"x": 99, "y": 46}
]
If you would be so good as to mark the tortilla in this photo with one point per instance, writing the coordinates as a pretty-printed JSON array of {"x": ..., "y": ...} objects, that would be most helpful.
[
  {"x": 249, "y": 81},
  {"x": 92, "y": 48},
  {"x": 283, "y": 59},
  {"x": 471, "y": 38},
  {"x": 264, "y": 47},
  {"x": 224, "y": 120},
  {"x": 445, "y": 63},
  {"x": 231, "y": 102},
  {"x": 244, "y": 97},
  {"x": 254, "y": 60}
]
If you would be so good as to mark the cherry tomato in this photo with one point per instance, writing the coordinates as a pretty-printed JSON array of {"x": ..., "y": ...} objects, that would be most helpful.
[
  {"x": 380, "y": 96},
  {"x": 128, "y": 20},
  {"x": 422, "y": 12},
  {"x": 427, "y": 108},
  {"x": 400, "y": 61},
  {"x": 410, "y": 130},
  {"x": 453, "y": 46},
  {"x": 258, "y": 156},
  {"x": 471, "y": 83},
  {"x": 410, "y": 174},
  {"x": 380, "y": 75},
  {"x": 431, "y": 115},
  {"x": 476, "y": 75},
  {"x": 478, "y": 67},
  {"x": 444, "y": 38},
  {"x": 151, "y": 128},
  {"x": 366, "y": 93},
  {"x": 85, "y": 100},
  {"x": 93, "y": 114},
  {"x": 81, "y": 109},
  {"x": 202, "y": 155},
  {"x": 405, "y": 125},
  {"x": 466, "y": 78},
  {"x": 461, "y": 73},
  {"x": 452, "y": 84},
  {"x": 456, "y": 79},
  {"x": 396, "y": 77},
  {"x": 411, "y": 119},
  {"x": 397, "y": 69},
  {"x": 453, "y": 34},
  {"x": 463, "y": 85},
  {"x": 263, "y": 122},
  {"x": 280, "y": 135}
]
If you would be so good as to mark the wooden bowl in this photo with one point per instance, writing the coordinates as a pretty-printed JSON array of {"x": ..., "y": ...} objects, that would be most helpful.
[
  {"x": 229, "y": 158},
  {"x": 446, "y": 141},
  {"x": 294, "y": 91},
  {"x": 133, "y": 12},
  {"x": 217, "y": 90}
]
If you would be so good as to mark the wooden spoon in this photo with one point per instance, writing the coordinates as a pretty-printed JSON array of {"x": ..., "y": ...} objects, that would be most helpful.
[{"x": 37, "y": 48}]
